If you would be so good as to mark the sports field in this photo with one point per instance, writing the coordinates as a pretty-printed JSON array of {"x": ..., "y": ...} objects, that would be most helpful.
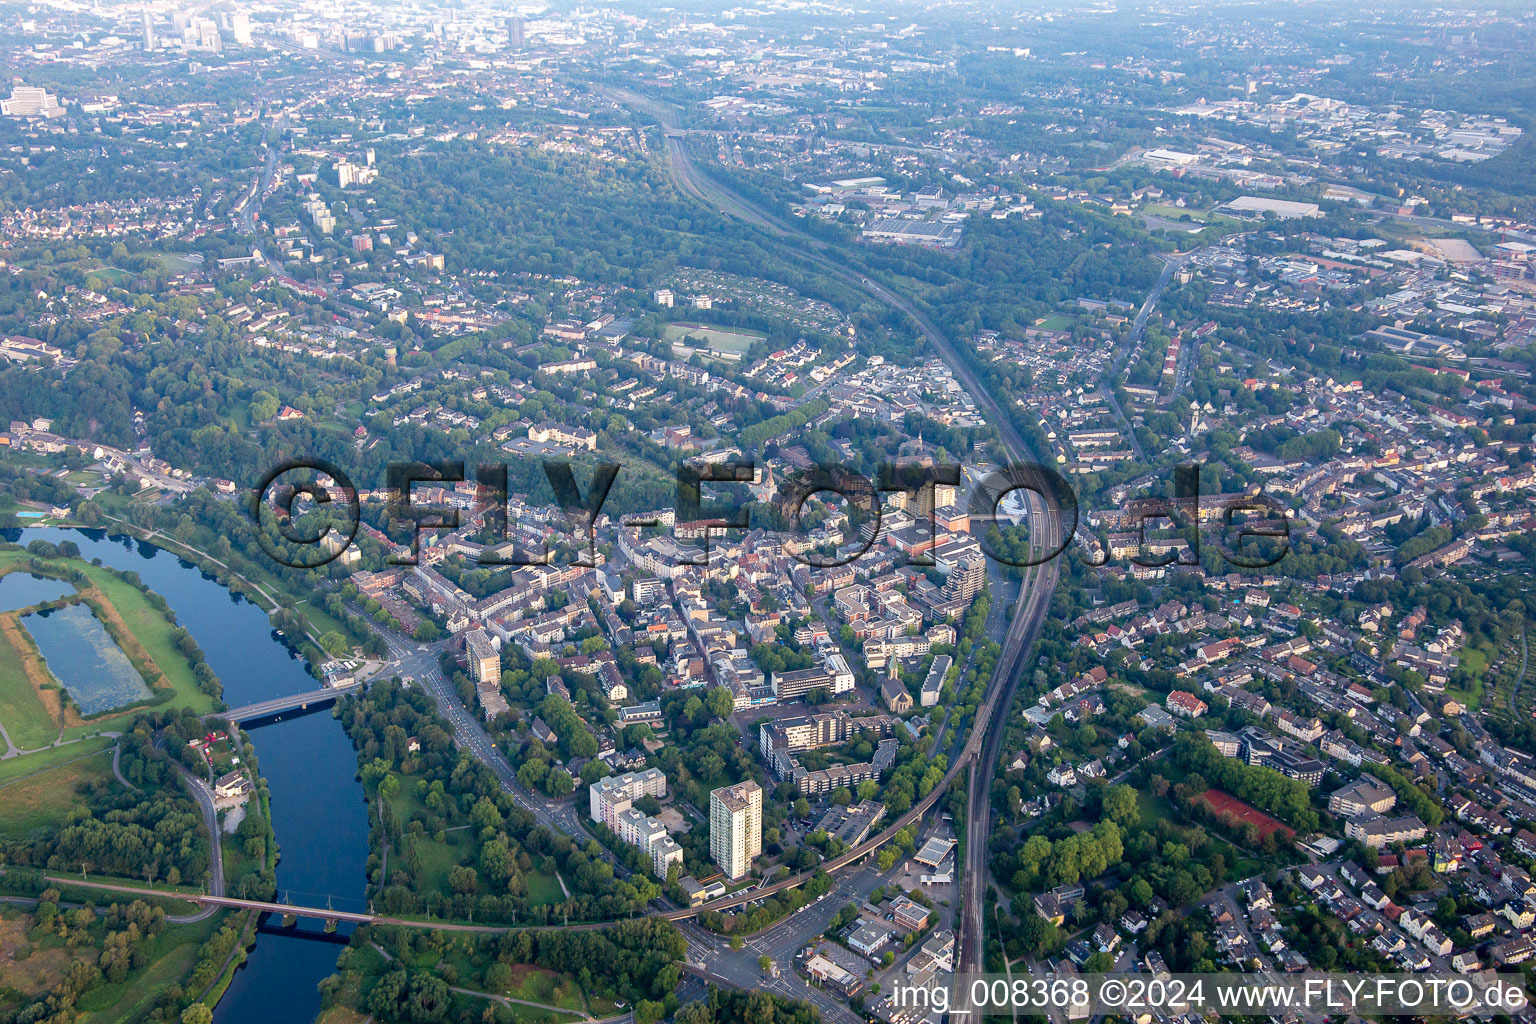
[
  {"x": 1225, "y": 803},
  {"x": 717, "y": 339}
]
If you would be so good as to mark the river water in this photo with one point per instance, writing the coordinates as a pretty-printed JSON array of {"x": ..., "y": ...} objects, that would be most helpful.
[{"x": 318, "y": 808}]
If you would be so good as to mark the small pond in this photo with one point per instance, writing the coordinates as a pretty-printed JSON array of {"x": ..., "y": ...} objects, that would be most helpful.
[
  {"x": 85, "y": 659},
  {"x": 23, "y": 590}
]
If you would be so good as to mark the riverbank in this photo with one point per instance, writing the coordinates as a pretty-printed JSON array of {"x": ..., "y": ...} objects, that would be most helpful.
[
  {"x": 36, "y": 709},
  {"x": 322, "y": 828}
]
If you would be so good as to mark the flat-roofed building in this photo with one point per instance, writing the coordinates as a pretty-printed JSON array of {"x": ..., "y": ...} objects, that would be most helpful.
[
  {"x": 736, "y": 827},
  {"x": 483, "y": 658},
  {"x": 1377, "y": 830},
  {"x": 608, "y": 797},
  {"x": 933, "y": 685}
]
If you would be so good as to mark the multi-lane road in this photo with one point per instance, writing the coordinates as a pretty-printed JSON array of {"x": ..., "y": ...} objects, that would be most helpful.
[
  {"x": 420, "y": 663},
  {"x": 1047, "y": 530},
  {"x": 781, "y": 943}
]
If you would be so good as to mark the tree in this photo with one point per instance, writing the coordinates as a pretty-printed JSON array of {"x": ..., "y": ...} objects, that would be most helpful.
[
  {"x": 721, "y": 702},
  {"x": 559, "y": 783},
  {"x": 410, "y": 998},
  {"x": 334, "y": 644},
  {"x": 1099, "y": 963},
  {"x": 263, "y": 406},
  {"x": 197, "y": 1013},
  {"x": 1120, "y": 806},
  {"x": 498, "y": 977}
]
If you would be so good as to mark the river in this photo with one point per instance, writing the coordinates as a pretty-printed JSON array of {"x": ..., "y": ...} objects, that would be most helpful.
[{"x": 318, "y": 808}]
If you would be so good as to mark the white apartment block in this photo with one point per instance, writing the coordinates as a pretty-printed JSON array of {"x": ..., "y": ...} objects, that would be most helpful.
[
  {"x": 736, "y": 827},
  {"x": 611, "y": 802},
  {"x": 611, "y": 796},
  {"x": 651, "y": 837}
]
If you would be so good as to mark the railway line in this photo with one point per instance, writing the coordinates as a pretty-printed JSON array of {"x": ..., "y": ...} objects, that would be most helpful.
[{"x": 982, "y": 747}]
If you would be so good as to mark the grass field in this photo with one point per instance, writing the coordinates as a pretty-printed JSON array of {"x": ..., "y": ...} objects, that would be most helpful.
[
  {"x": 112, "y": 275},
  {"x": 1470, "y": 699},
  {"x": 538, "y": 985},
  {"x": 543, "y": 890},
  {"x": 38, "y": 791},
  {"x": 154, "y": 631},
  {"x": 26, "y": 720},
  {"x": 41, "y": 969},
  {"x": 320, "y": 620},
  {"x": 438, "y": 859},
  {"x": 143, "y": 632},
  {"x": 1153, "y": 809},
  {"x": 535, "y": 984},
  {"x": 175, "y": 952},
  {"x": 1055, "y": 323},
  {"x": 174, "y": 262},
  {"x": 719, "y": 339},
  {"x": 1174, "y": 212},
  {"x": 520, "y": 1013}
]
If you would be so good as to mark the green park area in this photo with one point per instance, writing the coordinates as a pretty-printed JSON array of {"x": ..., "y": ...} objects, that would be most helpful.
[
  {"x": 33, "y": 707},
  {"x": 437, "y": 853},
  {"x": 523, "y": 993},
  {"x": 46, "y": 944},
  {"x": 39, "y": 790}
]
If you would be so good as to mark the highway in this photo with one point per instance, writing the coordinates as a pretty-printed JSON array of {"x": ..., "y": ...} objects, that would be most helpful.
[
  {"x": 1138, "y": 328},
  {"x": 419, "y": 662},
  {"x": 982, "y": 747}
]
